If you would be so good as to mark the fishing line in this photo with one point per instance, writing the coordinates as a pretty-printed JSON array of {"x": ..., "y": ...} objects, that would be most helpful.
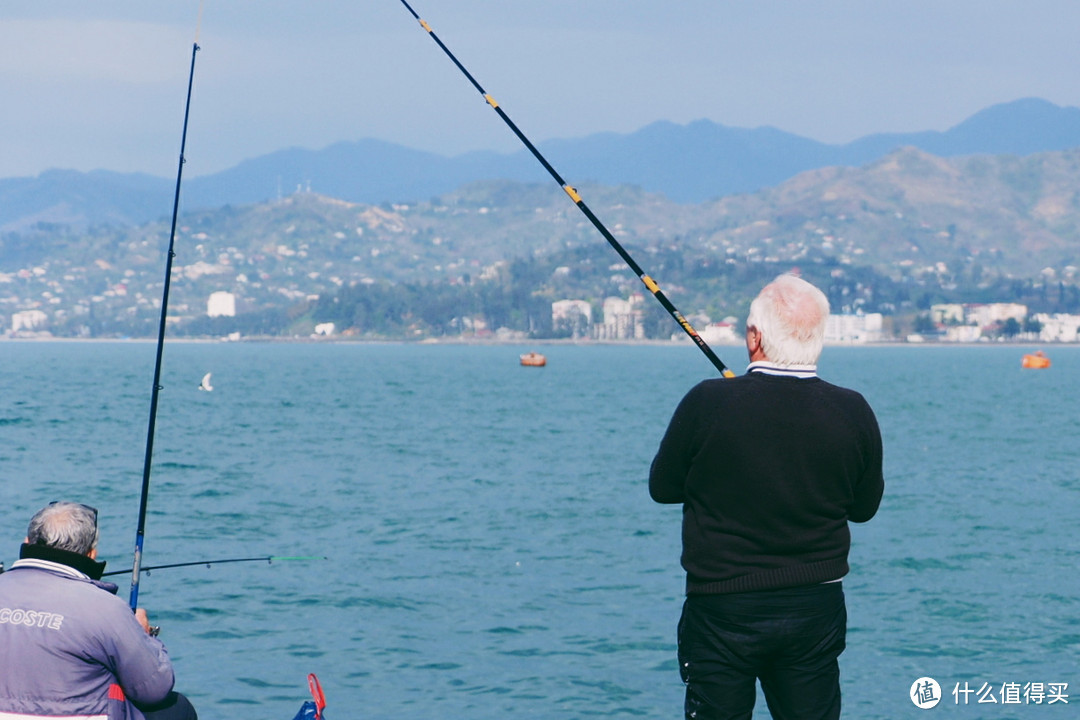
[
  {"x": 268, "y": 559},
  {"x": 576, "y": 198},
  {"x": 140, "y": 533}
]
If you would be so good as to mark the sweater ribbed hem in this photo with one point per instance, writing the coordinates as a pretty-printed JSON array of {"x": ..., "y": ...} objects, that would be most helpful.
[{"x": 785, "y": 577}]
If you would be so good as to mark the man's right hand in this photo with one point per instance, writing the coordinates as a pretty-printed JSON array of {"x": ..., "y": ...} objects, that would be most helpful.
[{"x": 140, "y": 615}]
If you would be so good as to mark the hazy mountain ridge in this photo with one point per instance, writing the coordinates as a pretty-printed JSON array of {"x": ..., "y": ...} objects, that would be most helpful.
[
  {"x": 688, "y": 163},
  {"x": 1018, "y": 215}
]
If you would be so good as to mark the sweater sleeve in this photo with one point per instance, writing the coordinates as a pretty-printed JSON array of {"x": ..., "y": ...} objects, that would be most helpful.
[
  {"x": 139, "y": 662},
  {"x": 667, "y": 475},
  {"x": 871, "y": 486}
]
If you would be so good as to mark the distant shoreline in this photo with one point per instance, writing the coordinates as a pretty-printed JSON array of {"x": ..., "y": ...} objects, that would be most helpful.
[{"x": 512, "y": 342}]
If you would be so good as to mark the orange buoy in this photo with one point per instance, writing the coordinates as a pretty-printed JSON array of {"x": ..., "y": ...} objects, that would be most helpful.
[
  {"x": 533, "y": 359},
  {"x": 1036, "y": 359}
]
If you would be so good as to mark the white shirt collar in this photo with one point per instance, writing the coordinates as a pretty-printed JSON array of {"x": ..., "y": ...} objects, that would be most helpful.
[
  {"x": 48, "y": 565},
  {"x": 771, "y": 368}
]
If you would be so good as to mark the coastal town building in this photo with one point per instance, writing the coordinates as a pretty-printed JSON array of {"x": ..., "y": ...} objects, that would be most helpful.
[
  {"x": 1058, "y": 327},
  {"x": 623, "y": 319},
  {"x": 28, "y": 321},
  {"x": 983, "y": 315},
  {"x": 992, "y": 313},
  {"x": 977, "y": 322},
  {"x": 854, "y": 328},
  {"x": 719, "y": 333},
  {"x": 221, "y": 304},
  {"x": 947, "y": 313},
  {"x": 572, "y": 317},
  {"x": 963, "y": 333}
]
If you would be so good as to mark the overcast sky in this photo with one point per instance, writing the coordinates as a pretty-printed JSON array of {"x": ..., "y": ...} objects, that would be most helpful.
[{"x": 87, "y": 85}]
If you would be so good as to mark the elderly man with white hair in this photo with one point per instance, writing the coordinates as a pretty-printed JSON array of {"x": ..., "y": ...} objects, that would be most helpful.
[{"x": 769, "y": 467}]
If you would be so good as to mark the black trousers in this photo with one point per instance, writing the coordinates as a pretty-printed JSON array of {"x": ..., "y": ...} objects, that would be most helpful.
[{"x": 790, "y": 639}]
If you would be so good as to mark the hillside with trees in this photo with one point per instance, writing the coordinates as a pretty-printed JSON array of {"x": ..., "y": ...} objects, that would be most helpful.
[{"x": 892, "y": 237}]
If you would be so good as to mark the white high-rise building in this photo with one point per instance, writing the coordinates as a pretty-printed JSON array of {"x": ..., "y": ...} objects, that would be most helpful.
[
  {"x": 853, "y": 328},
  {"x": 28, "y": 320},
  {"x": 221, "y": 304}
]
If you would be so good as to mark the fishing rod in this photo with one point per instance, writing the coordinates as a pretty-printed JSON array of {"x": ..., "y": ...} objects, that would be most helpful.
[
  {"x": 140, "y": 533},
  {"x": 576, "y": 198},
  {"x": 269, "y": 559}
]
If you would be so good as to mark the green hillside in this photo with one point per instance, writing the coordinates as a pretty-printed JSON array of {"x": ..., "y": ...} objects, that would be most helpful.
[{"x": 890, "y": 237}]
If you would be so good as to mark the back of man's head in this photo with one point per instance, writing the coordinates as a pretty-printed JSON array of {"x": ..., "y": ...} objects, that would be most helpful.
[
  {"x": 64, "y": 526},
  {"x": 790, "y": 314}
]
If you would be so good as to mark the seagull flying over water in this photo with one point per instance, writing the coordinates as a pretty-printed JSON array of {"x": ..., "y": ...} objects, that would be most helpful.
[{"x": 205, "y": 384}]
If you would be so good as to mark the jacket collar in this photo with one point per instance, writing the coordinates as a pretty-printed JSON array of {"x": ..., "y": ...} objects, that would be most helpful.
[{"x": 91, "y": 568}]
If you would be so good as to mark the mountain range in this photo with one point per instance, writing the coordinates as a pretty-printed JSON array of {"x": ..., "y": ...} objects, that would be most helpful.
[
  {"x": 689, "y": 163},
  {"x": 894, "y": 236}
]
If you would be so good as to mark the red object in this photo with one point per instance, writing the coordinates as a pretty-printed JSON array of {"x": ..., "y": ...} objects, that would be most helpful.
[
  {"x": 533, "y": 359},
  {"x": 1037, "y": 359},
  {"x": 316, "y": 694}
]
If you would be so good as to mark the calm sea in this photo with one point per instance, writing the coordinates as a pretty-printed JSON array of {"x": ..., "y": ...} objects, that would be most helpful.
[{"x": 492, "y": 549}]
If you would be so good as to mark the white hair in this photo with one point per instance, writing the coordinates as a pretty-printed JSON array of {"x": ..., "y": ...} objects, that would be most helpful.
[
  {"x": 790, "y": 314},
  {"x": 64, "y": 526}
]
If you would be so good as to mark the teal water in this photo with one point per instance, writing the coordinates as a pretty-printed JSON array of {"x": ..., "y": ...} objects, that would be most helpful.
[{"x": 492, "y": 548}]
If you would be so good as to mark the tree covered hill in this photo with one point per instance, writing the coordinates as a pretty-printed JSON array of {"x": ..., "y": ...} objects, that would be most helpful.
[
  {"x": 890, "y": 237},
  {"x": 1002, "y": 215}
]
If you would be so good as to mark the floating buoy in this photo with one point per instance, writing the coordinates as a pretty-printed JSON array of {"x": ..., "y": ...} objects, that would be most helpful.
[
  {"x": 1036, "y": 359},
  {"x": 533, "y": 359}
]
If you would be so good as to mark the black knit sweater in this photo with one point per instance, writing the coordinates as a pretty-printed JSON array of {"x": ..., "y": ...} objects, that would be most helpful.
[{"x": 769, "y": 469}]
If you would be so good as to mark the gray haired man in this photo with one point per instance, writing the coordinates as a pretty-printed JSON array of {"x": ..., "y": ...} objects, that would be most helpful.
[{"x": 69, "y": 647}]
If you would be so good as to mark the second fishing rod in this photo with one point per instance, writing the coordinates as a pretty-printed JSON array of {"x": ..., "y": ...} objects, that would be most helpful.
[
  {"x": 144, "y": 497},
  {"x": 576, "y": 198}
]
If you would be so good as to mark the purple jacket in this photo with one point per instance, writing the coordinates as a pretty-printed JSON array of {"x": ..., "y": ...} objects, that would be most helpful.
[{"x": 69, "y": 647}]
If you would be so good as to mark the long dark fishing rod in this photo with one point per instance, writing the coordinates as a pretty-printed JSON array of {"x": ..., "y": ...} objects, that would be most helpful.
[
  {"x": 573, "y": 193},
  {"x": 268, "y": 559},
  {"x": 140, "y": 532}
]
